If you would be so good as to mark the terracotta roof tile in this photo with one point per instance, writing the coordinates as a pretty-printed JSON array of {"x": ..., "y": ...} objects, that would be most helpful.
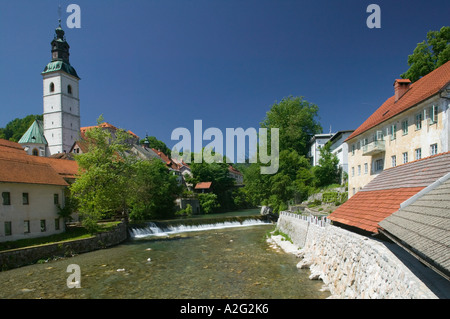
[
  {"x": 203, "y": 185},
  {"x": 418, "y": 91},
  {"x": 365, "y": 210},
  {"x": 19, "y": 167},
  {"x": 384, "y": 194}
]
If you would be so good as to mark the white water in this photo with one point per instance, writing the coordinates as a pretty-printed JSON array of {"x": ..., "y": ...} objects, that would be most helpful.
[{"x": 153, "y": 230}]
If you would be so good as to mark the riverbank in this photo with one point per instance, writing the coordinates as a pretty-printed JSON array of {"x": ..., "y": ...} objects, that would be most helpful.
[
  {"x": 354, "y": 266},
  {"x": 19, "y": 257}
]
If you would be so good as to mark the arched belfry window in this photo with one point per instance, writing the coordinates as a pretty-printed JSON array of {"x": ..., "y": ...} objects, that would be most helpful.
[
  {"x": 35, "y": 152},
  {"x": 52, "y": 87},
  {"x": 69, "y": 89}
]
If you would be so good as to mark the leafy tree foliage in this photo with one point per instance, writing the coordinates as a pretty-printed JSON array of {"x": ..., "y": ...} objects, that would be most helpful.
[
  {"x": 154, "y": 190},
  {"x": 327, "y": 172},
  {"x": 102, "y": 189},
  {"x": 296, "y": 119},
  {"x": 208, "y": 202},
  {"x": 113, "y": 181},
  {"x": 297, "y": 123},
  {"x": 429, "y": 54},
  {"x": 15, "y": 129}
]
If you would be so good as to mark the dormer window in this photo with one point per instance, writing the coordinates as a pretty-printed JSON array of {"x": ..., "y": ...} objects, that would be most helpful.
[{"x": 52, "y": 87}]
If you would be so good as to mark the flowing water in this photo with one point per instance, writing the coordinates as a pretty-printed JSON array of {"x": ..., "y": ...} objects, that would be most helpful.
[{"x": 222, "y": 260}]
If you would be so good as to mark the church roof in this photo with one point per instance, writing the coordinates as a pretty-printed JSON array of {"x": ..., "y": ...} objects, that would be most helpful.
[
  {"x": 34, "y": 134},
  {"x": 60, "y": 66}
]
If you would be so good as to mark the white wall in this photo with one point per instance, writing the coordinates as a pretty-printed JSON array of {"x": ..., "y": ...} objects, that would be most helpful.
[{"x": 41, "y": 207}]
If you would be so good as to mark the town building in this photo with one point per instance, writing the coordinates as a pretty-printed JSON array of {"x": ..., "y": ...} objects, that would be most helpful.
[
  {"x": 412, "y": 124},
  {"x": 315, "y": 144},
  {"x": 339, "y": 148},
  {"x": 32, "y": 188}
]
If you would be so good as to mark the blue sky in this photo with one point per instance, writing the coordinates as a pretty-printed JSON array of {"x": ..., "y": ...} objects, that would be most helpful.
[{"x": 153, "y": 66}]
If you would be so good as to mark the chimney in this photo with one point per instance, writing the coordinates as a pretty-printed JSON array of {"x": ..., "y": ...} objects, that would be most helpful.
[{"x": 400, "y": 87}]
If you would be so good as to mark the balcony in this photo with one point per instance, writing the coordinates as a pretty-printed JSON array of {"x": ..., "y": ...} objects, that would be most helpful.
[{"x": 373, "y": 148}]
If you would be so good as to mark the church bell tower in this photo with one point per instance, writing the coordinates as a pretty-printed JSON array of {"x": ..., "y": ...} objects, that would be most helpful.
[{"x": 61, "y": 97}]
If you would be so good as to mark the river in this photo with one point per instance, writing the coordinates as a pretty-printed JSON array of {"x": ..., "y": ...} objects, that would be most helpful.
[{"x": 208, "y": 263}]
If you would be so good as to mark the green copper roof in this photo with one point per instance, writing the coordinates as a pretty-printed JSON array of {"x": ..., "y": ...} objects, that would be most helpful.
[
  {"x": 60, "y": 66},
  {"x": 34, "y": 134}
]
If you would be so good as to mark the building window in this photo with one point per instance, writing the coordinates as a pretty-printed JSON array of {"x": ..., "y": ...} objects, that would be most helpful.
[
  {"x": 418, "y": 153},
  {"x": 52, "y": 87},
  {"x": 405, "y": 127},
  {"x": 419, "y": 121},
  {"x": 433, "y": 114},
  {"x": 69, "y": 89},
  {"x": 26, "y": 226},
  {"x": 354, "y": 191},
  {"x": 56, "y": 199},
  {"x": 393, "y": 131},
  {"x": 378, "y": 165},
  {"x": 353, "y": 171},
  {"x": 25, "y": 200},
  {"x": 6, "y": 198},
  {"x": 433, "y": 149},
  {"x": 353, "y": 149},
  {"x": 43, "y": 227},
  {"x": 35, "y": 152},
  {"x": 366, "y": 168},
  {"x": 405, "y": 157},
  {"x": 359, "y": 170},
  {"x": 56, "y": 223},
  {"x": 8, "y": 231},
  {"x": 394, "y": 160}
]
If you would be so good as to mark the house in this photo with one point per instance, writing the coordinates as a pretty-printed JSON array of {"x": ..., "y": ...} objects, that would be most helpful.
[
  {"x": 412, "y": 124},
  {"x": 31, "y": 190},
  {"x": 384, "y": 195},
  {"x": 339, "y": 148},
  {"x": 236, "y": 175},
  {"x": 204, "y": 187},
  {"x": 315, "y": 144}
]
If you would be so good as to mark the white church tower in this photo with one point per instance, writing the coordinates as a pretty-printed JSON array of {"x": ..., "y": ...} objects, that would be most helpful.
[{"x": 61, "y": 98}]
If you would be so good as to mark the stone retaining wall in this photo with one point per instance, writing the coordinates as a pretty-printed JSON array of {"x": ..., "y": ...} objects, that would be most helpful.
[
  {"x": 351, "y": 265},
  {"x": 24, "y": 256}
]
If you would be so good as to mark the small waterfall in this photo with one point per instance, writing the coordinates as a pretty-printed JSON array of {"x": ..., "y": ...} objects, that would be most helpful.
[{"x": 163, "y": 229}]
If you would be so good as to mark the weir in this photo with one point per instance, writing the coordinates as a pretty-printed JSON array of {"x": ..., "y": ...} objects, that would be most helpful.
[{"x": 177, "y": 226}]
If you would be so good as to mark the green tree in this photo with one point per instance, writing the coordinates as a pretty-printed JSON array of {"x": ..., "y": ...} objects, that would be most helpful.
[
  {"x": 15, "y": 129},
  {"x": 208, "y": 202},
  {"x": 327, "y": 172},
  {"x": 154, "y": 190},
  {"x": 217, "y": 173},
  {"x": 296, "y": 119},
  {"x": 102, "y": 189},
  {"x": 429, "y": 54}
]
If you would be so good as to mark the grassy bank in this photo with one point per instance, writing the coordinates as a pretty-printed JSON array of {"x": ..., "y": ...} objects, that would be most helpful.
[{"x": 72, "y": 233}]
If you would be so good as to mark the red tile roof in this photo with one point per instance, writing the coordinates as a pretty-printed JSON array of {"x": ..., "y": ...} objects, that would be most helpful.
[
  {"x": 19, "y": 167},
  {"x": 383, "y": 195},
  {"x": 203, "y": 185},
  {"x": 365, "y": 210},
  {"x": 418, "y": 91}
]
